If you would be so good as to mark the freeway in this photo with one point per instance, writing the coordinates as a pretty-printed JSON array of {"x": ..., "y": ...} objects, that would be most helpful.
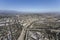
[{"x": 21, "y": 37}]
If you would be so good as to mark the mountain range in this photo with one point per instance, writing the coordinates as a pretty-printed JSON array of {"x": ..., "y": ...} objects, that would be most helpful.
[{"x": 11, "y": 13}]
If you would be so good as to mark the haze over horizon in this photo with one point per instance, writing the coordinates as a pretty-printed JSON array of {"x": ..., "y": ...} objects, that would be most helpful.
[{"x": 31, "y": 5}]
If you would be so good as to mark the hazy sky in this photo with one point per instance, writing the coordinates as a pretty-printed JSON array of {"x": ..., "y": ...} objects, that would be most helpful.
[{"x": 30, "y": 5}]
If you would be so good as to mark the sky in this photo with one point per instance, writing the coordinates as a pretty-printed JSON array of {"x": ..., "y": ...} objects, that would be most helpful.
[{"x": 31, "y": 5}]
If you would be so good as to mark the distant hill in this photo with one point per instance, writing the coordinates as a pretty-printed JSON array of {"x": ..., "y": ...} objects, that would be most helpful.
[
  {"x": 13, "y": 13},
  {"x": 5, "y": 12}
]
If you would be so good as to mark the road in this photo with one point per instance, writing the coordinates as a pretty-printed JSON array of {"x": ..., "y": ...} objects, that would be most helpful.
[{"x": 21, "y": 37}]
